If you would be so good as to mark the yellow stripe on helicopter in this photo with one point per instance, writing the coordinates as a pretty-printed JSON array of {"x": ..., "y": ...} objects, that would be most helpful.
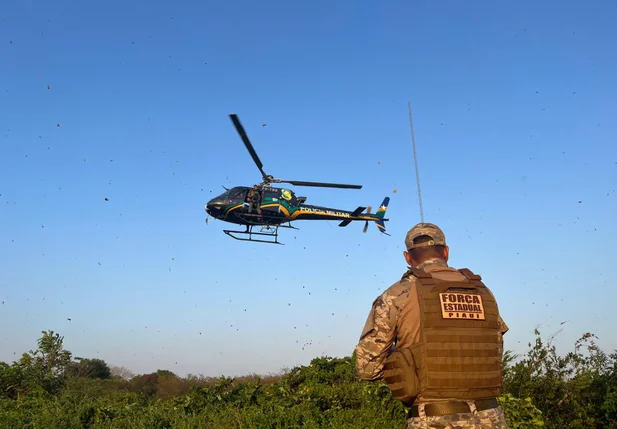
[{"x": 301, "y": 211}]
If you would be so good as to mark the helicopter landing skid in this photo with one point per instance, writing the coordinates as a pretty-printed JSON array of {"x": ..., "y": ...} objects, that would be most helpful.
[{"x": 265, "y": 231}]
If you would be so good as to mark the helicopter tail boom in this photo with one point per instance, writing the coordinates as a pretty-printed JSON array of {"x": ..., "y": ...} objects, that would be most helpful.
[{"x": 378, "y": 218}]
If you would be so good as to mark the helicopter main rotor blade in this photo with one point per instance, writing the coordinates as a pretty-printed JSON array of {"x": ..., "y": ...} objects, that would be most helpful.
[
  {"x": 247, "y": 142},
  {"x": 323, "y": 185}
]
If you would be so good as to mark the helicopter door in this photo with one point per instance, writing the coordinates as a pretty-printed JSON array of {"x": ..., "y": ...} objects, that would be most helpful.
[{"x": 271, "y": 195}]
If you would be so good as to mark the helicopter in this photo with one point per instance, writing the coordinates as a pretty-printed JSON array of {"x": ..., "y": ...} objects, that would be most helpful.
[{"x": 279, "y": 206}]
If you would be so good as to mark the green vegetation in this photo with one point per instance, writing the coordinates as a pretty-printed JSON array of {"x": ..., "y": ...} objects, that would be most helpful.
[{"x": 48, "y": 388}]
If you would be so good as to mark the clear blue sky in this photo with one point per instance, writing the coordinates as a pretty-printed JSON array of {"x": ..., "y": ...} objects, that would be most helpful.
[{"x": 514, "y": 115}]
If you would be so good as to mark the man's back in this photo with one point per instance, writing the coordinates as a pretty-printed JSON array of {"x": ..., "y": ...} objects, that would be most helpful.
[
  {"x": 437, "y": 337},
  {"x": 408, "y": 322},
  {"x": 389, "y": 326}
]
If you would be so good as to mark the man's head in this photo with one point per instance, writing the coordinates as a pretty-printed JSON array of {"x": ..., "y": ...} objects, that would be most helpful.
[
  {"x": 425, "y": 241},
  {"x": 254, "y": 187}
]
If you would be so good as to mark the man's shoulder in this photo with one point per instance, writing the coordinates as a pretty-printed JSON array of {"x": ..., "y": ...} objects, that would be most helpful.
[
  {"x": 397, "y": 290},
  {"x": 450, "y": 273}
]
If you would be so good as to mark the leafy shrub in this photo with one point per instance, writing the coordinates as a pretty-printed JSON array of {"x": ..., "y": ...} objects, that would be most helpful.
[
  {"x": 521, "y": 413},
  {"x": 542, "y": 389}
]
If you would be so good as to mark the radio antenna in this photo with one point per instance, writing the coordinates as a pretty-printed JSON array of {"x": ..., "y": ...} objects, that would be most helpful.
[{"x": 415, "y": 160}]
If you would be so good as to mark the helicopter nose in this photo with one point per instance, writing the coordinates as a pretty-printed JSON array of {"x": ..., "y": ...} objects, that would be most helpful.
[{"x": 214, "y": 206}]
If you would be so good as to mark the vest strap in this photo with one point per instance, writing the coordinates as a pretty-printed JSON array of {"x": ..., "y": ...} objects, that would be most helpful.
[{"x": 469, "y": 274}]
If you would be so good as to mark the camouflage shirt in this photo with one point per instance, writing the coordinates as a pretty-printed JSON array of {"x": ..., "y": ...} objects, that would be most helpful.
[
  {"x": 253, "y": 195},
  {"x": 382, "y": 331}
]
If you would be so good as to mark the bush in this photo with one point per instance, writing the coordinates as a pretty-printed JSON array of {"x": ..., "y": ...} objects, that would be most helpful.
[{"x": 542, "y": 389}]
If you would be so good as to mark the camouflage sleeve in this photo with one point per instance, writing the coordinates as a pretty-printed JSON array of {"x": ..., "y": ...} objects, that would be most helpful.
[{"x": 376, "y": 339}]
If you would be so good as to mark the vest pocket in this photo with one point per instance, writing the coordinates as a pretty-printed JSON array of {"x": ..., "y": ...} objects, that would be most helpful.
[{"x": 400, "y": 375}]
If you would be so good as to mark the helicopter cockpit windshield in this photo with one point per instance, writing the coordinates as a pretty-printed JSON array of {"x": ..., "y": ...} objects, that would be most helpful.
[{"x": 231, "y": 195}]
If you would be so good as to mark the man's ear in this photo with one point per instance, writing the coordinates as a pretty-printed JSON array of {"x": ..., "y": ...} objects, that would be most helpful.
[
  {"x": 446, "y": 253},
  {"x": 408, "y": 257}
]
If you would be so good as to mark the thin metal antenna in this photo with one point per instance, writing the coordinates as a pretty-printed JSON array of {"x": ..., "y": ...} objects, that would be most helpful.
[{"x": 415, "y": 160}]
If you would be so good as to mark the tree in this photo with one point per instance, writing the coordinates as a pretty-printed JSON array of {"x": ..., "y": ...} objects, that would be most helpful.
[
  {"x": 51, "y": 357},
  {"x": 121, "y": 372},
  {"x": 45, "y": 367},
  {"x": 89, "y": 368},
  {"x": 10, "y": 381},
  {"x": 145, "y": 384}
]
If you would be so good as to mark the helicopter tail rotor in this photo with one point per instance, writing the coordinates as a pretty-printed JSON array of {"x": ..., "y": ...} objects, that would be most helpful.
[{"x": 368, "y": 211}]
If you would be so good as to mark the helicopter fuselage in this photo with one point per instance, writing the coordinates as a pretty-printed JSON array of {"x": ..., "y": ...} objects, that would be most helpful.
[{"x": 278, "y": 205}]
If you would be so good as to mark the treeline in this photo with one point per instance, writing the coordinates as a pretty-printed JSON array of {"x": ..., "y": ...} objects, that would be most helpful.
[{"x": 49, "y": 388}]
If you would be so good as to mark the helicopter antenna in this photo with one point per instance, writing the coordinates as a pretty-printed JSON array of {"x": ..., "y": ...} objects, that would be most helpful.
[{"x": 415, "y": 160}]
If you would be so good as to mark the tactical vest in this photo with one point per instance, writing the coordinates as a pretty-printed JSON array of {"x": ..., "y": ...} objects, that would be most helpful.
[{"x": 459, "y": 351}]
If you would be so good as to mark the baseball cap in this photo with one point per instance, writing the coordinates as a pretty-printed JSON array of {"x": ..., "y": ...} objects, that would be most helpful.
[{"x": 433, "y": 231}]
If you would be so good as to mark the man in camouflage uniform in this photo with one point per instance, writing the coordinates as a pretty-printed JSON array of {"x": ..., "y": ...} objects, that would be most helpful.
[
  {"x": 254, "y": 200},
  {"x": 384, "y": 332}
]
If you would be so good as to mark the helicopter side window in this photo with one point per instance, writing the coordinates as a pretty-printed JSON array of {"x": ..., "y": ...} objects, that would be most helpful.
[{"x": 273, "y": 195}]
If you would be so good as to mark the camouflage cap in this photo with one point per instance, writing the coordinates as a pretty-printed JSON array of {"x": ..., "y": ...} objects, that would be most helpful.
[{"x": 433, "y": 231}]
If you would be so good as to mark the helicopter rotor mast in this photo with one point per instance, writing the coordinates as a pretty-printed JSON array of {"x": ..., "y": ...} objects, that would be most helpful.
[{"x": 267, "y": 179}]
